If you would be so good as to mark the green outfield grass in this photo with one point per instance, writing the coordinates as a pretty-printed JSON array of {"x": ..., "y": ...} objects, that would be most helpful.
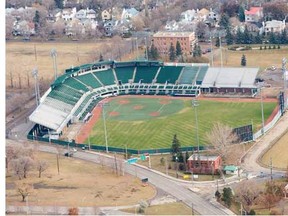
[{"x": 131, "y": 122}]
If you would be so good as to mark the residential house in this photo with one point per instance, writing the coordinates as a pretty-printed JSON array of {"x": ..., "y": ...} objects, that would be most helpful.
[
  {"x": 23, "y": 27},
  {"x": 106, "y": 15},
  {"x": 203, "y": 164},
  {"x": 187, "y": 16},
  {"x": 273, "y": 26},
  {"x": 171, "y": 26},
  {"x": 68, "y": 13},
  {"x": 162, "y": 41},
  {"x": 91, "y": 14},
  {"x": 81, "y": 14},
  {"x": 127, "y": 14},
  {"x": 255, "y": 14},
  {"x": 202, "y": 15}
]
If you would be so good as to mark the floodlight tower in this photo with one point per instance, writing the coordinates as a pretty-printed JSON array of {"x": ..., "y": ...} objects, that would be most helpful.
[
  {"x": 37, "y": 93},
  {"x": 53, "y": 54},
  {"x": 195, "y": 104}
]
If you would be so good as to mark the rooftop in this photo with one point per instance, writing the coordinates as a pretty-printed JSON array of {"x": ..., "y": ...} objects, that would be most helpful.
[
  {"x": 253, "y": 10},
  {"x": 230, "y": 168},
  {"x": 173, "y": 34},
  {"x": 203, "y": 157}
]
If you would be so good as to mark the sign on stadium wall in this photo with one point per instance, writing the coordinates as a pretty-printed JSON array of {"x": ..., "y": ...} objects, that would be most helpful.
[{"x": 244, "y": 133}]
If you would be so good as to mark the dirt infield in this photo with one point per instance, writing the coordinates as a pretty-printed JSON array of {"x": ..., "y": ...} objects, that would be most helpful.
[
  {"x": 138, "y": 107},
  {"x": 124, "y": 102},
  {"x": 154, "y": 114},
  {"x": 164, "y": 101},
  {"x": 113, "y": 113}
]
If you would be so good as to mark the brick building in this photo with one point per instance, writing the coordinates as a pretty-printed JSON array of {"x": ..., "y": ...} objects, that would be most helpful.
[
  {"x": 163, "y": 40},
  {"x": 204, "y": 164}
]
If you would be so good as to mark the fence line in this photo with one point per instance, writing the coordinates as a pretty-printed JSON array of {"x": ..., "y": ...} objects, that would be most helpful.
[{"x": 268, "y": 126}]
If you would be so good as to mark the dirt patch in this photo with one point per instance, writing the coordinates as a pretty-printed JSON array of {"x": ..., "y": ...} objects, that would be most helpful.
[
  {"x": 113, "y": 113},
  {"x": 138, "y": 107},
  {"x": 123, "y": 102},
  {"x": 165, "y": 101},
  {"x": 273, "y": 114},
  {"x": 154, "y": 114}
]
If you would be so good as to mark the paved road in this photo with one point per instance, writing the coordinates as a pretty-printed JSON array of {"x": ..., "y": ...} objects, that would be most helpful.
[{"x": 176, "y": 189}]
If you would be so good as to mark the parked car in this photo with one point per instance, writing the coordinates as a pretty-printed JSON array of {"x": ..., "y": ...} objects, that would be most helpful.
[{"x": 68, "y": 154}]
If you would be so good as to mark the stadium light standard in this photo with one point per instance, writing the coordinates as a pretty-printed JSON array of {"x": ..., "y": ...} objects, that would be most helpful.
[
  {"x": 37, "y": 95},
  {"x": 104, "y": 122},
  {"x": 195, "y": 104},
  {"x": 285, "y": 76},
  {"x": 262, "y": 109},
  {"x": 54, "y": 55}
]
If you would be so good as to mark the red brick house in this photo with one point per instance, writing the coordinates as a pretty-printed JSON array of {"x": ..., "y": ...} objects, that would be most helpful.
[
  {"x": 255, "y": 14},
  {"x": 204, "y": 164}
]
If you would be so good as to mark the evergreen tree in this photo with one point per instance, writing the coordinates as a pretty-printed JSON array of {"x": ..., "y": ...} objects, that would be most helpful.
[
  {"x": 246, "y": 36},
  {"x": 172, "y": 54},
  {"x": 272, "y": 38},
  {"x": 243, "y": 60},
  {"x": 153, "y": 53},
  {"x": 224, "y": 21},
  {"x": 257, "y": 39},
  {"x": 178, "y": 49},
  {"x": 187, "y": 156},
  {"x": 229, "y": 37},
  {"x": 101, "y": 57},
  {"x": 227, "y": 196},
  {"x": 241, "y": 14},
  {"x": 239, "y": 36},
  {"x": 175, "y": 148},
  {"x": 59, "y": 4},
  {"x": 284, "y": 38},
  {"x": 197, "y": 51},
  {"x": 217, "y": 42},
  {"x": 36, "y": 20}
]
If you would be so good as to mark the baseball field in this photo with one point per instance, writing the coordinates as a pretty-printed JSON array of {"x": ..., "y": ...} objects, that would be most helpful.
[{"x": 150, "y": 122}]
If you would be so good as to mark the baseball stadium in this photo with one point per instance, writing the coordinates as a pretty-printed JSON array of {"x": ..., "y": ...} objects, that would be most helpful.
[{"x": 141, "y": 104}]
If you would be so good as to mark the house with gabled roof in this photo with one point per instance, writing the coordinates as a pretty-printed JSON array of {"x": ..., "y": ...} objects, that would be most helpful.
[{"x": 255, "y": 14}]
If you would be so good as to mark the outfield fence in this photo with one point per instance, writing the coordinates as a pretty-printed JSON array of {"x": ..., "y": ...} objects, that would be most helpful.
[{"x": 268, "y": 126}]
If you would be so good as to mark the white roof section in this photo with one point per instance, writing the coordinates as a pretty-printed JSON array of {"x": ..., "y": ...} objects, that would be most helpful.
[
  {"x": 218, "y": 77},
  {"x": 203, "y": 157},
  {"x": 51, "y": 113}
]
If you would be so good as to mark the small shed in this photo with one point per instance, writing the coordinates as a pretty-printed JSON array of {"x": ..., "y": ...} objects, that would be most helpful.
[
  {"x": 230, "y": 169},
  {"x": 204, "y": 164}
]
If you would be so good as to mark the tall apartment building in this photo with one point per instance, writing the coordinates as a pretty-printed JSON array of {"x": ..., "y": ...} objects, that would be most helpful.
[{"x": 162, "y": 41}]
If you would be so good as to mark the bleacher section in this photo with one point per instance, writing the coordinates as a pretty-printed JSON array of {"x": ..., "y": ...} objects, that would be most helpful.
[
  {"x": 89, "y": 80},
  {"x": 145, "y": 74},
  {"x": 106, "y": 77},
  {"x": 73, "y": 83},
  {"x": 90, "y": 108},
  {"x": 188, "y": 75},
  {"x": 124, "y": 74},
  {"x": 169, "y": 74},
  {"x": 201, "y": 74}
]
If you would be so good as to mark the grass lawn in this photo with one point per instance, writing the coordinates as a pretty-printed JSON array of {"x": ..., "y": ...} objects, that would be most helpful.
[
  {"x": 138, "y": 130},
  {"x": 255, "y": 58},
  {"x": 176, "y": 208},
  {"x": 278, "y": 153},
  {"x": 80, "y": 183}
]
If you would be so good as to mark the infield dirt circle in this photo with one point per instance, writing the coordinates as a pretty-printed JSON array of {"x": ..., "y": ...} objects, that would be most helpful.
[
  {"x": 123, "y": 101},
  {"x": 164, "y": 101},
  {"x": 154, "y": 114},
  {"x": 113, "y": 113},
  {"x": 138, "y": 107}
]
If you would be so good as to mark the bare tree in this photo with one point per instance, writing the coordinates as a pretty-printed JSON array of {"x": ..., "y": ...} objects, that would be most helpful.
[
  {"x": 24, "y": 190},
  {"x": 22, "y": 166},
  {"x": 220, "y": 137},
  {"x": 9, "y": 25},
  {"x": 48, "y": 4},
  {"x": 41, "y": 166},
  {"x": 59, "y": 27},
  {"x": 247, "y": 192},
  {"x": 138, "y": 23},
  {"x": 73, "y": 211}
]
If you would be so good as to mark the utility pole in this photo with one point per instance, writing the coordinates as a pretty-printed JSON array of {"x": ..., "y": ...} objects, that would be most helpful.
[
  {"x": 195, "y": 104},
  {"x": 271, "y": 168},
  {"x": 221, "y": 52},
  {"x": 37, "y": 94},
  {"x": 262, "y": 110},
  {"x": 104, "y": 122},
  {"x": 284, "y": 61}
]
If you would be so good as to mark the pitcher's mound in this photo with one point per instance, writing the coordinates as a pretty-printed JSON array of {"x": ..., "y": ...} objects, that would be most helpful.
[
  {"x": 138, "y": 107},
  {"x": 113, "y": 113},
  {"x": 164, "y": 101},
  {"x": 123, "y": 101},
  {"x": 154, "y": 114}
]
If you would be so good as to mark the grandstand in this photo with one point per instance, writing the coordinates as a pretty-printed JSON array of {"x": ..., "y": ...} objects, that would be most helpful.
[{"x": 73, "y": 95}]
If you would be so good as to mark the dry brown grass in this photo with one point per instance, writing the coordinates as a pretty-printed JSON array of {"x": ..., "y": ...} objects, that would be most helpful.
[
  {"x": 278, "y": 154},
  {"x": 80, "y": 183}
]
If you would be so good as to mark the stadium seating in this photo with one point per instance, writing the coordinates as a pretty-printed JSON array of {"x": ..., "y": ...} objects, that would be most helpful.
[
  {"x": 90, "y": 107},
  {"x": 188, "y": 75},
  {"x": 106, "y": 77},
  {"x": 169, "y": 74},
  {"x": 89, "y": 80},
  {"x": 145, "y": 74},
  {"x": 201, "y": 74},
  {"x": 73, "y": 83},
  {"x": 124, "y": 74}
]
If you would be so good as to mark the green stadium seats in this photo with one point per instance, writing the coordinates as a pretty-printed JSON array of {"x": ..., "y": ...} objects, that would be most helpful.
[
  {"x": 188, "y": 75},
  {"x": 168, "y": 74},
  {"x": 124, "y": 74},
  {"x": 73, "y": 83},
  {"x": 201, "y": 74},
  {"x": 89, "y": 80},
  {"x": 106, "y": 77},
  {"x": 145, "y": 74}
]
